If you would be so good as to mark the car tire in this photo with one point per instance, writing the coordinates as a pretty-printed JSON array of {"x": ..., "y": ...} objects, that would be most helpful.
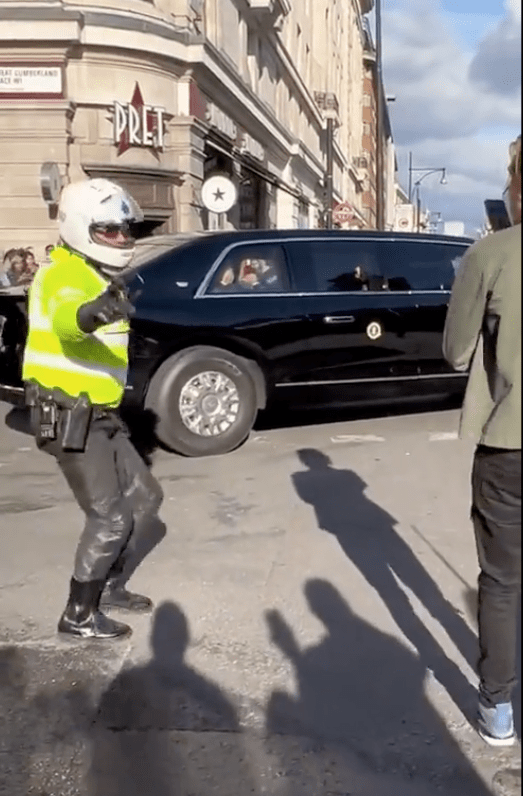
[{"x": 186, "y": 421}]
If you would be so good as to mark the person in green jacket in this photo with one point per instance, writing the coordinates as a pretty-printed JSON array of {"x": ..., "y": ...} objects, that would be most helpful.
[
  {"x": 75, "y": 370},
  {"x": 483, "y": 332}
]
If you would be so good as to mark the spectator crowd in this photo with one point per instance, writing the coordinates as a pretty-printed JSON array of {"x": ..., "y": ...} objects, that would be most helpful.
[{"x": 19, "y": 266}]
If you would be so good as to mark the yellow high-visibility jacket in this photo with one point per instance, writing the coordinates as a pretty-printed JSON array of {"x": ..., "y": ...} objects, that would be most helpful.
[{"x": 58, "y": 355}]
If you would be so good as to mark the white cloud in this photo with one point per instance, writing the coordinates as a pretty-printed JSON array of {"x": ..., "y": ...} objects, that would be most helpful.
[
  {"x": 497, "y": 64},
  {"x": 476, "y": 170},
  {"x": 457, "y": 106}
]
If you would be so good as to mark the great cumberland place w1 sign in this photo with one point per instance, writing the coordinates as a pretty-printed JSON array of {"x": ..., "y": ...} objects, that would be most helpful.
[
  {"x": 23, "y": 80},
  {"x": 137, "y": 124}
]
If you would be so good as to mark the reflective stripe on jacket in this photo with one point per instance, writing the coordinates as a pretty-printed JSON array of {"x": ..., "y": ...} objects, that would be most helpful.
[{"x": 58, "y": 354}]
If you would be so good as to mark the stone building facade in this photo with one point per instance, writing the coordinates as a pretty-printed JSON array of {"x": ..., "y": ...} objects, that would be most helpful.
[
  {"x": 368, "y": 161},
  {"x": 160, "y": 94}
]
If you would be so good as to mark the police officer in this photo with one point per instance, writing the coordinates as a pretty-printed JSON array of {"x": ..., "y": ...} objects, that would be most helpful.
[{"x": 75, "y": 370}]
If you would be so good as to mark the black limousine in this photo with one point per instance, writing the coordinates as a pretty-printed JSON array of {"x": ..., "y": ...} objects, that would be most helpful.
[{"x": 226, "y": 323}]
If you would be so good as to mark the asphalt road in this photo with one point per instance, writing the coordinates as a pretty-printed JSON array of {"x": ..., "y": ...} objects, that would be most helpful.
[{"x": 314, "y": 632}]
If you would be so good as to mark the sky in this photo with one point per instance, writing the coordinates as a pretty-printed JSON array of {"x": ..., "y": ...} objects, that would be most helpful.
[{"x": 455, "y": 69}]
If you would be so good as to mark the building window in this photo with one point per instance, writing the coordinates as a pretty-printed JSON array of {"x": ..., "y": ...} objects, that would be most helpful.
[
  {"x": 252, "y": 201},
  {"x": 253, "y": 58},
  {"x": 303, "y": 214}
]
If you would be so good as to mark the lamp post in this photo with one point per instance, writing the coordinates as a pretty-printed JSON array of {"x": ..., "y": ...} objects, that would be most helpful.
[
  {"x": 329, "y": 174},
  {"x": 417, "y": 184},
  {"x": 427, "y": 172}
]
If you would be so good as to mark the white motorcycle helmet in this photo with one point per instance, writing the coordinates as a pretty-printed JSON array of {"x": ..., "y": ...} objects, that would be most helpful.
[{"x": 95, "y": 220}]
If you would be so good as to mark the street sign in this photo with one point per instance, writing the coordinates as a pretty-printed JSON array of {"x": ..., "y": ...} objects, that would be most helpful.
[
  {"x": 219, "y": 194},
  {"x": 343, "y": 213},
  {"x": 31, "y": 80}
]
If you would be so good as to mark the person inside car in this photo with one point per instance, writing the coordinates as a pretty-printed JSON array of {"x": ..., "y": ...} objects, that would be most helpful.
[
  {"x": 258, "y": 274},
  {"x": 227, "y": 279},
  {"x": 248, "y": 275}
]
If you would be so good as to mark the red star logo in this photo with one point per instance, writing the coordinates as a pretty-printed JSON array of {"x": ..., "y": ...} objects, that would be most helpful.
[{"x": 138, "y": 104}]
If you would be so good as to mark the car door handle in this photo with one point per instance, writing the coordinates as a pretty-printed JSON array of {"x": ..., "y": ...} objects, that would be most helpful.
[{"x": 339, "y": 319}]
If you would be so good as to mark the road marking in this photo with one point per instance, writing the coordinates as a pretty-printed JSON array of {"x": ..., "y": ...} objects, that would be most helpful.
[
  {"x": 342, "y": 438},
  {"x": 444, "y": 436}
]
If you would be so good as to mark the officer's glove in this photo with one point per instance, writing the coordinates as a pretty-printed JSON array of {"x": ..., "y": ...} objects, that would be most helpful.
[{"x": 111, "y": 306}]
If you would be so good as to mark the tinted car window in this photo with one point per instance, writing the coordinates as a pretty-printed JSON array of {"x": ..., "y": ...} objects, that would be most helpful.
[
  {"x": 337, "y": 266},
  {"x": 252, "y": 269},
  {"x": 182, "y": 268},
  {"x": 420, "y": 266}
]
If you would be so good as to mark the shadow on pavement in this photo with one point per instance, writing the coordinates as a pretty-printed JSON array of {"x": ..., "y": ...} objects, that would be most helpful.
[
  {"x": 161, "y": 728},
  {"x": 14, "y": 768},
  {"x": 18, "y": 419},
  {"x": 367, "y": 535},
  {"x": 360, "y": 720},
  {"x": 364, "y": 690},
  {"x": 45, "y": 715}
]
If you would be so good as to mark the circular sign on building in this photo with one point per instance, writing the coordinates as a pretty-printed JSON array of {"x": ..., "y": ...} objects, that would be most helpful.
[
  {"x": 50, "y": 182},
  {"x": 219, "y": 194},
  {"x": 343, "y": 213}
]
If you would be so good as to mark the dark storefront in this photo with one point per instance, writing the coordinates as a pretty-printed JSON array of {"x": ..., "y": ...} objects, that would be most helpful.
[{"x": 153, "y": 189}]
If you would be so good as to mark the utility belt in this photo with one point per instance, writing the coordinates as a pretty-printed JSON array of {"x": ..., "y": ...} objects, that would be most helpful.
[{"x": 56, "y": 415}]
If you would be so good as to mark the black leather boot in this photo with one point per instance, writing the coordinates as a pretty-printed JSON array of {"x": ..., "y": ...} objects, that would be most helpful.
[
  {"x": 115, "y": 595},
  {"x": 82, "y": 617}
]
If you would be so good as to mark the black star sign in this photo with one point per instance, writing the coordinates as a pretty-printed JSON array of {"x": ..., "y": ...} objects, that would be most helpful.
[{"x": 219, "y": 195}]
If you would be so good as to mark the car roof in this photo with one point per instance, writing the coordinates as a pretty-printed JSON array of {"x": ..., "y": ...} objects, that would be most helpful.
[
  {"x": 161, "y": 243},
  {"x": 156, "y": 245},
  {"x": 154, "y": 249}
]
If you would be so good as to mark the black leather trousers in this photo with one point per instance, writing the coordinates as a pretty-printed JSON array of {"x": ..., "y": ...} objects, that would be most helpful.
[{"x": 118, "y": 494}]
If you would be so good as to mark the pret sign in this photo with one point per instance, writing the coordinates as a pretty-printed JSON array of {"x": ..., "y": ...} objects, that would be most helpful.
[
  {"x": 31, "y": 80},
  {"x": 137, "y": 124}
]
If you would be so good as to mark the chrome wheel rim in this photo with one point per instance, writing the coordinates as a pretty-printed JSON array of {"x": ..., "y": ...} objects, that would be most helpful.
[{"x": 209, "y": 404}]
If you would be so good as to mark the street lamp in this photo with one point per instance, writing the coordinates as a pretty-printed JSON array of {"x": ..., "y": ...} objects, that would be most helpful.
[
  {"x": 424, "y": 173},
  {"x": 417, "y": 186}
]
